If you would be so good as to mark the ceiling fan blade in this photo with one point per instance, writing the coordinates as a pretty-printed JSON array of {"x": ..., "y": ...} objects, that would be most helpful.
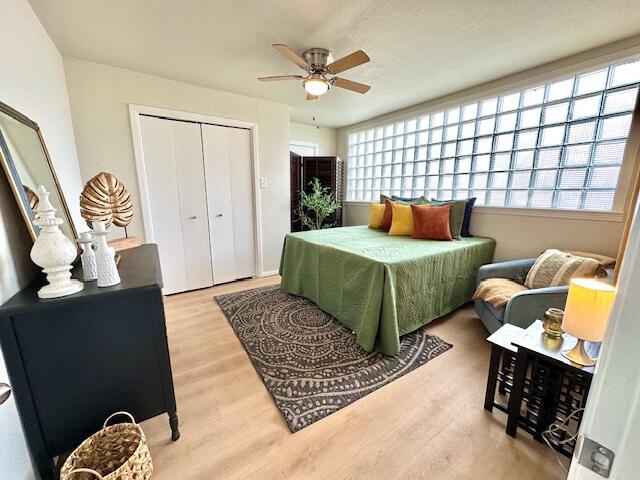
[
  {"x": 311, "y": 97},
  {"x": 291, "y": 55},
  {"x": 350, "y": 61},
  {"x": 350, "y": 85},
  {"x": 281, "y": 77}
]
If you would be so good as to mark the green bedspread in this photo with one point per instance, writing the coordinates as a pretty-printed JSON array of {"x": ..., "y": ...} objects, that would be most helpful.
[{"x": 380, "y": 286}]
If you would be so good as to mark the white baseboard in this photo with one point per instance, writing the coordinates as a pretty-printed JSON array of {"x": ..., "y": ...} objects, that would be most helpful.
[{"x": 269, "y": 273}]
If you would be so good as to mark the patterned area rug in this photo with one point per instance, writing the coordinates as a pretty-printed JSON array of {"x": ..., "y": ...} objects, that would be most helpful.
[{"x": 309, "y": 362}]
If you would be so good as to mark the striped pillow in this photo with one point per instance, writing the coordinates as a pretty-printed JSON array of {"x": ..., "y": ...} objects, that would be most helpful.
[{"x": 554, "y": 268}]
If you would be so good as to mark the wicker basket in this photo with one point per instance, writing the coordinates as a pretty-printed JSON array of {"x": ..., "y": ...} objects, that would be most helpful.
[{"x": 117, "y": 452}]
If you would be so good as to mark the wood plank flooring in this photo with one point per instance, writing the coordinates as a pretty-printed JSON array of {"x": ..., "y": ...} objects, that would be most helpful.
[{"x": 429, "y": 424}]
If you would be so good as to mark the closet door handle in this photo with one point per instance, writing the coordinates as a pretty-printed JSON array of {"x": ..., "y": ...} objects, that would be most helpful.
[
  {"x": 218, "y": 215},
  {"x": 5, "y": 392},
  {"x": 192, "y": 217}
]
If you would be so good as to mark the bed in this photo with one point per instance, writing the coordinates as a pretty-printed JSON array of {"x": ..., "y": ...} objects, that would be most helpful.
[{"x": 381, "y": 286}]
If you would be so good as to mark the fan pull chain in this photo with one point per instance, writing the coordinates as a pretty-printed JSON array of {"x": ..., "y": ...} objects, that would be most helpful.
[{"x": 316, "y": 114}]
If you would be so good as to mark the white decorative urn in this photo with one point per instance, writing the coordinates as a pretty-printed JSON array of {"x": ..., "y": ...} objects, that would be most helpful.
[
  {"x": 53, "y": 251},
  {"x": 105, "y": 257},
  {"x": 88, "y": 257}
]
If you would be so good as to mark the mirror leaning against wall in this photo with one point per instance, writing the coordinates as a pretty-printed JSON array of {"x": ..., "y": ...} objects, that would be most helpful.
[{"x": 26, "y": 162}]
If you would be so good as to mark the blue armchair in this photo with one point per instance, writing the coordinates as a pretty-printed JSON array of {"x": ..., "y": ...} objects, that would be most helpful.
[{"x": 523, "y": 308}]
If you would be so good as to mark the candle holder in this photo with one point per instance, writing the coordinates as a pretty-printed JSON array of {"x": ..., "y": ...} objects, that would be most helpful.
[
  {"x": 88, "y": 257},
  {"x": 105, "y": 257},
  {"x": 552, "y": 322}
]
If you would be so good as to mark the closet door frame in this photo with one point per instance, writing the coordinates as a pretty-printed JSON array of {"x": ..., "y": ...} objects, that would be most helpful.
[{"x": 136, "y": 132}]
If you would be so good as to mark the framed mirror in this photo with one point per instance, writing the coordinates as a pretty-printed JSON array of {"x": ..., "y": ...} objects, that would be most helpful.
[{"x": 26, "y": 162}]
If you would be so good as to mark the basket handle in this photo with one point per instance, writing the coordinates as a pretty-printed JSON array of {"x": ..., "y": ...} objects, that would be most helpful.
[
  {"x": 83, "y": 470},
  {"x": 133, "y": 420}
]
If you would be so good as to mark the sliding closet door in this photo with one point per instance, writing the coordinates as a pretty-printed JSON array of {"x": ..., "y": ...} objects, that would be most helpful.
[
  {"x": 227, "y": 159},
  {"x": 242, "y": 201},
  {"x": 187, "y": 152},
  {"x": 174, "y": 169}
]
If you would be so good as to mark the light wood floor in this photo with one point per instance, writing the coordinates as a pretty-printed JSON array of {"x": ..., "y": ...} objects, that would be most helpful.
[{"x": 429, "y": 424}]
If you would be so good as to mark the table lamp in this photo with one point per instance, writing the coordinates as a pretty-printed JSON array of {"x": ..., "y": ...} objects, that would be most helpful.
[{"x": 585, "y": 315}]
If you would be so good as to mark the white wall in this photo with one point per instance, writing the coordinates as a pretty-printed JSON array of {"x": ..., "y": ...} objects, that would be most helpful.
[
  {"x": 32, "y": 81},
  {"x": 324, "y": 137},
  {"x": 99, "y": 96}
]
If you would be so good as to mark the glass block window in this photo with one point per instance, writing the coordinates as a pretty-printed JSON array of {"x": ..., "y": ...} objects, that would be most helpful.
[{"x": 556, "y": 145}]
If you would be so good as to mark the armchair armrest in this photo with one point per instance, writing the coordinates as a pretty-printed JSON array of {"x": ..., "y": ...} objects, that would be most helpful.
[
  {"x": 525, "y": 307},
  {"x": 509, "y": 269}
]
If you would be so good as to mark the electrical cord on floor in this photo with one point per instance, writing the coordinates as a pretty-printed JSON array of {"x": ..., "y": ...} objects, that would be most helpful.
[{"x": 547, "y": 436}]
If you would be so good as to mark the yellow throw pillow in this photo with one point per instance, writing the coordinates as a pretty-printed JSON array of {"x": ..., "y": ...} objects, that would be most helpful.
[
  {"x": 402, "y": 220},
  {"x": 376, "y": 211}
]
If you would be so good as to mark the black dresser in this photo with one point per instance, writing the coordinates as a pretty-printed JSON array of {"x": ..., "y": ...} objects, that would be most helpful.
[{"x": 75, "y": 360}]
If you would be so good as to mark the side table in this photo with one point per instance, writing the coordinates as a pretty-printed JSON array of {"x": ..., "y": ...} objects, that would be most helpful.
[
  {"x": 502, "y": 365},
  {"x": 542, "y": 386}
]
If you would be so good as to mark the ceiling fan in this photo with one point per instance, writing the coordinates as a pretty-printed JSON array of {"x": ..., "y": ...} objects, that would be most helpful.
[{"x": 319, "y": 64}]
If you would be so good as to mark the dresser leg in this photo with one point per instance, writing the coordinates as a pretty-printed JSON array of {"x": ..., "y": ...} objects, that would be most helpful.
[{"x": 173, "y": 422}]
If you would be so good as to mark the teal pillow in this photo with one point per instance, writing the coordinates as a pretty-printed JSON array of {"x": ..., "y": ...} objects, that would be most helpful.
[
  {"x": 468, "y": 210},
  {"x": 456, "y": 214},
  {"x": 406, "y": 201}
]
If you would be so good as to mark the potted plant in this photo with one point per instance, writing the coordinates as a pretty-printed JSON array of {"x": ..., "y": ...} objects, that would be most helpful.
[{"x": 316, "y": 206}]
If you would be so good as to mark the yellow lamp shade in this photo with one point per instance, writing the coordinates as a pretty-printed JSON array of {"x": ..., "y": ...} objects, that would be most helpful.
[{"x": 587, "y": 310}]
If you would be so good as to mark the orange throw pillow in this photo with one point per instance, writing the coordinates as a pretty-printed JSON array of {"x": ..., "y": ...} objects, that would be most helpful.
[
  {"x": 431, "y": 223},
  {"x": 387, "y": 216}
]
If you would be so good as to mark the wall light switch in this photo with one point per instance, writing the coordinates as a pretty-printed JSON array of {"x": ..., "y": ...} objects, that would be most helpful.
[{"x": 263, "y": 182}]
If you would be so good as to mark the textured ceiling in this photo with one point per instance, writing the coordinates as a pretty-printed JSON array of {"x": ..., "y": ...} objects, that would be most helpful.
[{"x": 419, "y": 49}]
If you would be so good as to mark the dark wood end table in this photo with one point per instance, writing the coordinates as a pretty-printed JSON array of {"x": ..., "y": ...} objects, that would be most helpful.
[
  {"x": 502, "y": 365},
  {"x": 542, "y": 386}
]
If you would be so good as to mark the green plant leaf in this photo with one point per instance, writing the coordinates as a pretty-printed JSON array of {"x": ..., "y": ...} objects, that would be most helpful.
[{"x": 316, "y": 206}]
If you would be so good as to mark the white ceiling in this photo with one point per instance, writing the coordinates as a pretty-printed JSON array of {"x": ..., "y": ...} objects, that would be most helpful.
[{"x": 419, "y": 49}]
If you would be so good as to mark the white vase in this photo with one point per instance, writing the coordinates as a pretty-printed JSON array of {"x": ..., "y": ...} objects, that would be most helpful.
[
  {"x": 105, "y": 257},
  {"x": 53, "y": 251},
  {"x": 88, "y": 257}
]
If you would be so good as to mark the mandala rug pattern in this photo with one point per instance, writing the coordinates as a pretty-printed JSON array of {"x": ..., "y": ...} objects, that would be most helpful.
[{"x": 309, "y": 362}]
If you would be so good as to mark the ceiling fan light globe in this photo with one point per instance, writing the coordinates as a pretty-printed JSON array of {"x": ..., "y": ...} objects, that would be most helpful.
[{"x": 316, "y": 87}]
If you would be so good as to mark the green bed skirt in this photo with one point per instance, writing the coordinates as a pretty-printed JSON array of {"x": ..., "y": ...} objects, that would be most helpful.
[{"x": 380, "y": 286}]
